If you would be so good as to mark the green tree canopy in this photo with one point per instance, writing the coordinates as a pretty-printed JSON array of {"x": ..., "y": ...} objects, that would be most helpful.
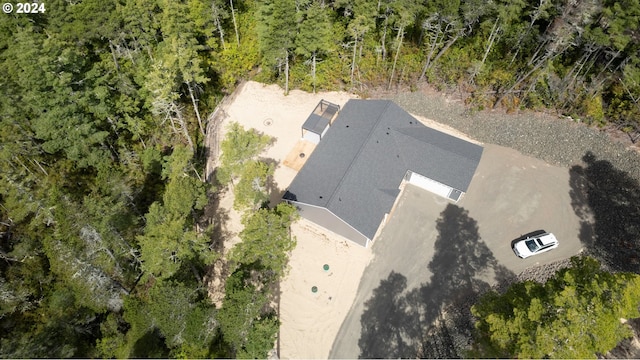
[
  {"x": 172, "y": 318},
  {"x": 169, "y": 239},
  {"x": 246, "y": 327},
  {"x": 575, "y": 314},
  {"x": 277, "y": 30},
  {"x": 266, "y": 239},
  {"x": 238, "y": 146},
  {"x": 251, "y": 190},
  {"x": 314, "y": 36}
]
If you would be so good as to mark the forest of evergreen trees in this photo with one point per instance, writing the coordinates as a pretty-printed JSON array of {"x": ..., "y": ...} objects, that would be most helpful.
[{"x": 103, "y": 114}]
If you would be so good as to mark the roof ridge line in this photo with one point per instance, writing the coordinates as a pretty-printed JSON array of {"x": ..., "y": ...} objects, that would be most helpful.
[
  {"x": 453, "y": 152},
  {"x": 397, "y": 148},
  {"x": 348, "y": 170}
]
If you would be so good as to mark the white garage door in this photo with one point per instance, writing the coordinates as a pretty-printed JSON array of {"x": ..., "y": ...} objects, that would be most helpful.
[{"x": 430, "y": 185}]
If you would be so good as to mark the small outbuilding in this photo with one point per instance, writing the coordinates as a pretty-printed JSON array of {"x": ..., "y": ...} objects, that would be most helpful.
[
  {"x": 350, "y": 182},
  {"x": 317, "y": 124}
]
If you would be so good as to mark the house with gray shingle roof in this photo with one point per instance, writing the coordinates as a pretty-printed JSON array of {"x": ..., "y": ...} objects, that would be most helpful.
[{"x": 351, "y": 180}]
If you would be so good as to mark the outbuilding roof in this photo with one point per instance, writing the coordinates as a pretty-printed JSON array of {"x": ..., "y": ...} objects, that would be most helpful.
[
  {"x": 320, "y": 117},
  {"x": 356, "y": 169},
  {"x": 315, "y": 123}
]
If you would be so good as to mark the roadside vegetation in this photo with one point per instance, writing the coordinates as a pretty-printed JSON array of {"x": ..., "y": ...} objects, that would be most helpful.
[{"x": 103, "y": 114}]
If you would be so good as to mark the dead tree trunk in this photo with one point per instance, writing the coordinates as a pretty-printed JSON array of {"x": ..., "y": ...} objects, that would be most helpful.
[
  {"x": 313, "y": 71},
  {"x": 443, "y": 50},
  {"x": 432, "y": 49},
  {"x": 175, "y": 114},
  {"x": 113, "y": 54},
  {"x": 286, "y": 72},
  {"x": 492, "y": 37},
  {"x": 451, "y": 28},
  {"x": 195, "y": 108},
  {"x": 218, "y": 23},
  {"x": 235, "y": 24},
  {"x": 399, "y": 39},
  {"x": 383, "y": 39},
  {"x": 353, "y": 59}
]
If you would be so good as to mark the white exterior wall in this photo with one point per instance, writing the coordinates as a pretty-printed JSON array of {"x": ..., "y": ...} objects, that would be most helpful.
[
  {"x": 311, "y": 136},
  {"x": 328, "y": 220}
]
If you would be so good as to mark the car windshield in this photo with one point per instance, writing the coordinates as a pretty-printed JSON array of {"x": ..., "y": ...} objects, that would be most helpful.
[{"x": 531, "y": 244}]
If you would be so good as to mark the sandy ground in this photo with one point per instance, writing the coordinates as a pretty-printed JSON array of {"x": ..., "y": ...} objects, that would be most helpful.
[{"x": 309, "y": 321}]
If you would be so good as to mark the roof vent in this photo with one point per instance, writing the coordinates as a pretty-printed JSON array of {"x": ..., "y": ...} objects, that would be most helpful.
[
  {"x": 347, "y": 126},
  {"x": 320, "y": 196}
]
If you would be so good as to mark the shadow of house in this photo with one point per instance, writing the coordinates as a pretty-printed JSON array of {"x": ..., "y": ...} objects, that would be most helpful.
[
  {"x": 607, "y": 201},
  {"x": 434, "y": 319}
]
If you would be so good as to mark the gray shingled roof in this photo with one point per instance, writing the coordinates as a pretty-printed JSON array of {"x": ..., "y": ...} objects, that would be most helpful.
[{"x": 356, "y": 169}]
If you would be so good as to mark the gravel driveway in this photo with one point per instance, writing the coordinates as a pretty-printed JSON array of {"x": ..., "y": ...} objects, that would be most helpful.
[{"x": 604, "y": 174}]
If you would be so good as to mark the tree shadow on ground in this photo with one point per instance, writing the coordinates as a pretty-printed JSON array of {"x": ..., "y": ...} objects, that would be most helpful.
[
  {"x": 430, "y": 320},
  {"x": 385, "y": 320},
  {"x": 272, "y": 190},
  {"x": 607, "y": 201},
  {"x": 215, "y": 219}
]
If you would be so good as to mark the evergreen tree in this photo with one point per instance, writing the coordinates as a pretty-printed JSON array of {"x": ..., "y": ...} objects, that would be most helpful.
[
  {"x": 575, "y": 314},
  {"x": 314, "y": 36},
  {"x": 266, "y": 240},
  {"x": 245, "y": 326},
  {"x": 277, "y": 30},
  {"x": 169, "y": 240},
  {"x": 239, "y": 146}
]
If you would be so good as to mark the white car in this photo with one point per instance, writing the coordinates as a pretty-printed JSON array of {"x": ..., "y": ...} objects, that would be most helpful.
[{"x": 534, "y": 245}]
